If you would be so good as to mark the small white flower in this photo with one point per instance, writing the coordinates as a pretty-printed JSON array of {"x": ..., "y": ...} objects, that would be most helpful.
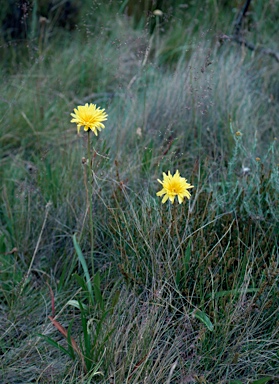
[{"x": 245, "y": 170}]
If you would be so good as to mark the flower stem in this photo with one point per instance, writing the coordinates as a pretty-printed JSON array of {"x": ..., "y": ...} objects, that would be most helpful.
[
  {"x": 90, "y": 195},
  {"x": 175, "y": 222}
]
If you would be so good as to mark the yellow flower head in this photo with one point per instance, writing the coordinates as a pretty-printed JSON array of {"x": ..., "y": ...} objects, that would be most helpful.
[
  {"x": 89, "y": 117},
  {"x": 174, "y": 186}
]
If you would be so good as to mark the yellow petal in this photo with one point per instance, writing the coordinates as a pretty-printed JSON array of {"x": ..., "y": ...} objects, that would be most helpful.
[
  {"x": 165, "y": 198},
  {"x": 161, "y": 193},
  {"x": 180, "y": 199}
]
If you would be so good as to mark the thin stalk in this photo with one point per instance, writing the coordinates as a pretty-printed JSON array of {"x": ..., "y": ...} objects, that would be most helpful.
[
  {"x": 22, "y": 284},
  {"x": 90, "y": 195},
  {"x": 175, "y": 222}
]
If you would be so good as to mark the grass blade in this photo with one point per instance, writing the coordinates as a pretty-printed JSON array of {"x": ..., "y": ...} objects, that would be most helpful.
[
  {"x": 55, "y": 344},
  {"x": 84, "y": 266},
  {"x": 204, "y": 319},
  {"x": 263, "y": 380}
]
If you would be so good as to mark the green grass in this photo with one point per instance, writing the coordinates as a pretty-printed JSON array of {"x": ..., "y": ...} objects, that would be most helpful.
[{"x": 180, "y": 293}]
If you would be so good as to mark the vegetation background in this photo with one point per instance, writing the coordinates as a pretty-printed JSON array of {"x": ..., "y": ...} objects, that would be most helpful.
[{"x": 178, "y": 294}]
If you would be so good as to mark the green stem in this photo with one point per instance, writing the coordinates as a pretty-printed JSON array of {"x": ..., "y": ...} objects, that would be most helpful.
[
  {"x": 90, "y": 195},
  {"x": 175, "y": 222}
]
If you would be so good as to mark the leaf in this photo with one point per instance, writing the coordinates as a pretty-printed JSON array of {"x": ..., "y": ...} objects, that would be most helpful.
[
  {"x": 263, "y": 380},
  {"x": 114, "y": 301},
  {"x": 81, "y": 282},
  {"x": 178, "y": 278},
  {"x": 3, "y": 249},
  {"x": 58, "y": 326},
  {"x": 64, "y": 332},
  {"x": 204, "y": 319},
  {"x": 97, "y": 290},
  {"x": 75, "y": 304},
  {"x": 235, "y": 382},
  {"x": 86, "y": 338},
  {"x": 55, "y": 344},
  {"x": 69, "y": 340},
  {"x": 232, "y": 292},
  {"x": 84, "y": 266},
  {"x": 187, "y": 256}
]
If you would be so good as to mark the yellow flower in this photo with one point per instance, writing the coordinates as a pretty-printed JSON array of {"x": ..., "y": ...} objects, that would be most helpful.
[
  {"x": 174, "y": 186},
  {"x": 89, "y": 117}
]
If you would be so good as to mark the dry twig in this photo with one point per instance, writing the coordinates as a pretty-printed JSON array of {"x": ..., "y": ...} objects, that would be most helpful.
[{"x": 240, "y": 40}]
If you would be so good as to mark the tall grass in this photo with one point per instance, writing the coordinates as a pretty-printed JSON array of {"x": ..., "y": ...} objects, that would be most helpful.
[{"x": 181, "y": 293}]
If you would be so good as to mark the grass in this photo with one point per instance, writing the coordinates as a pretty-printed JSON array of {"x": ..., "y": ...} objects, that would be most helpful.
[{"x": 180, "y": 293}]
